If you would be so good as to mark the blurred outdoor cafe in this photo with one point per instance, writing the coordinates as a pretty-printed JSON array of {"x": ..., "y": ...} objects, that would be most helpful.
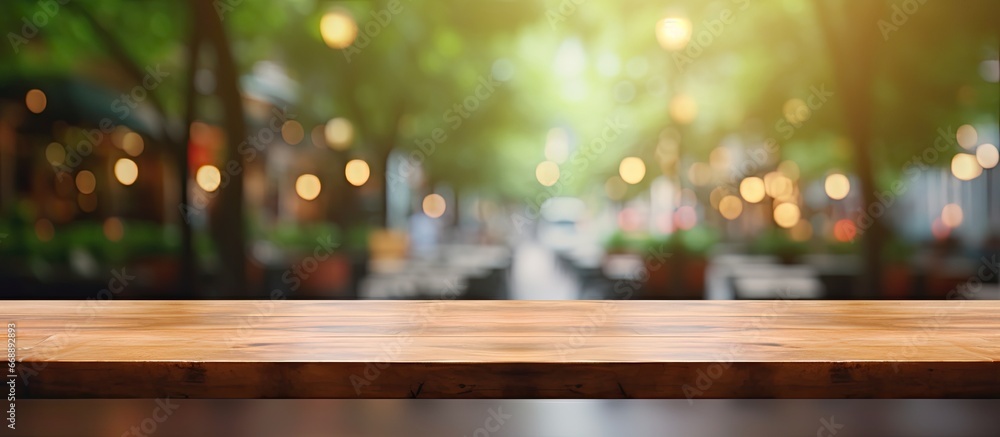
[{"x": 502, "y": 150}]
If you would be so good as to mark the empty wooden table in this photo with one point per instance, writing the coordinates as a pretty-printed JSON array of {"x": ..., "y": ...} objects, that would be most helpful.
[{"x": 506, "y": 349}]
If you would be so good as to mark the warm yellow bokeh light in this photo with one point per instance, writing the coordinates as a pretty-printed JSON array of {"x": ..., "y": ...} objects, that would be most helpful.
[
  {"x": 837, "y": 186},
  {"x": 632, "y": 170},
  {"x": 36, "y": 101},
  {"x": 967, "y": 136},
  {"x": 132, "y": 143},
  {"x": 86, "y": 183},
  {"x": 55, "y": 154},
  {"x": 720, "y": 158},
  {"x": 965, "y": 167},
  {"x": 787, "y": 215},
  {"x": 547, "y": 173},
  {"x": 987, "y": 155},
  {"x": 951, "y": 215},
  {"x": 731, "y": 207},
  {"x": 778, "y": 185},
  {"x": 615, "y": 188},
  {"x": 434, "y": 205},
  {"x": 673, "y": 33},
  {"x": 683, "y": 109},
  {"x": 308, "y": 186},
  {"x": 357, "y": 172},
  {"x": 126, "y": 171},
  {"x": 338, "y": 29},
  {"x": 208, "y": 177},
  {"x": 339, "y": 133},
  {"x": 292, "y": 132},
  {"x": 790, "y": 169},
  {"x": 752, "y": 189}
]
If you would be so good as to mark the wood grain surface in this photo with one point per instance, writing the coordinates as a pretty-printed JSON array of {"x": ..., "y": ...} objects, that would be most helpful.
[{"x": 507, "y": 349}]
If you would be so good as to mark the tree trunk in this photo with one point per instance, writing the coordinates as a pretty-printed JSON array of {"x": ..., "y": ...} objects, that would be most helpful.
[
  {"x": 228, "y": 218},
  {"x": 853, "y": 50},
  {"x": 188, "y": 283}
]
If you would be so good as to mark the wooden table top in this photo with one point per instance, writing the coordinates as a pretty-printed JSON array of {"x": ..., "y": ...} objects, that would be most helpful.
[{"x": 507, "y": 349}]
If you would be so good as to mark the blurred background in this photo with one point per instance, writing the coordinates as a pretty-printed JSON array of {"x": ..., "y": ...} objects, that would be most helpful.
[{"x": 309, "y": 149}]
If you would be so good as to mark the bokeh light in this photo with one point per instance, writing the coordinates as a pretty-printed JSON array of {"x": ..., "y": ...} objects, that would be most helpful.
[
  {"x": 967, "y": 136},
  {"x": 683, "y": 109},
  {"x": 786, "y": 215},
  {"x": 790, "y": 169},
  {"x": 339, "y": 133},
  {"x": 86, "y": 183},
  {"x": 208, "y": 177},
  {"x": 845, "y": 230},
  {"x": 632, "y": 170},
  {"x": 113, "y": 229},
  {"x": 55, "y": 153},
  {"x": 778, "y": 185},
  {"x": 547, "y": 173},
  {"x": 939, "y": 230},
  {"x": 434, "y": 205},
  {"x": 338, "y": 29},
  {"x": 965, "y": 167},
  {"x": 357, "y": 172},
  {"x": 987, "y": 155},
  {"x": 292, "y": 132},
  {"x": 685, "y": 217},
  {"x": 308, "y": 186},
  {"x": 36, "y": 101},
  {"x": 951, "y": 215},
  {"x": 837, "y": 186},
  {"x": 673, "y": 33},
  {"x": 796, "y": 111},
  {"x": 752, "y": 189},
  {"x": 126, "y": 171},
  {"x": 731, "y": 207},
  {"x": 132, "y": 143}
]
